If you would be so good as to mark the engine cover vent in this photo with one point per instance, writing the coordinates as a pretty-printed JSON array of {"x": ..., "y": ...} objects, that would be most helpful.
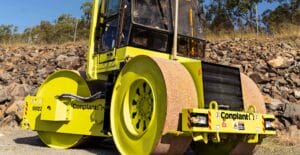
[{"x": 222, "y": 84}]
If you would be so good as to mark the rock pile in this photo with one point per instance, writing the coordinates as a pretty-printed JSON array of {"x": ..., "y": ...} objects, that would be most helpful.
[
  {"x": 274, "y": 66},
  {"x": 23, "y": 69}
]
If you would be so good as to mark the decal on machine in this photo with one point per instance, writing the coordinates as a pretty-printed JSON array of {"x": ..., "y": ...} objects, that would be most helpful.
[
  {"x": 87, "y": 107},
  {"x": 224, "y": 125},
  {"x": 36, "y": 108},
  {"x": 237, "y": 116},
  {"x": 239, "y": 125},
  {"x": 218, "y": 115}
]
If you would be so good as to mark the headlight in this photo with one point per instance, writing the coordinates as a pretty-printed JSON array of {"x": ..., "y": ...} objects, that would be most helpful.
[
  {"x": 199, "y": 120},
  {"x": 269, "y": 124}
]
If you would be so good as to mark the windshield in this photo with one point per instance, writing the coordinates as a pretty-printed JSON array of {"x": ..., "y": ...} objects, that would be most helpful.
[
  {"x": 189, "y": 19},
  {"x": 112, "y": 7},
  {"x": 152, "y": 13},
  {"x": 157, "y": 14}
]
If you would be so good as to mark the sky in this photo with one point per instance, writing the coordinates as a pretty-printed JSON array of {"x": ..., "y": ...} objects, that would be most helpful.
[
  {"x": 264, "y": 6},
  {"x": 28, "y": 13}
]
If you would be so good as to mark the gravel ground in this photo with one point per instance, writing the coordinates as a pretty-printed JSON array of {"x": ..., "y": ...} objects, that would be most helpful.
[{"x": 17, "y": 141}]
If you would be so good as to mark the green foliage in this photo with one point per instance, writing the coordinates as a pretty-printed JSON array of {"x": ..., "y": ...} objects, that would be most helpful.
[
  {"x": 218, "y": 17},
  {"x": 86, "y": 8},
  {"x": 7, "y": 33},
  {"x": 231, "y": 15},
  {"x": 285, "y": 14},
  {"x": 85, "y": 21},
  {"x": 222, "y": 17},
  {"x": 62, "y": 30},
  {"x": 65, "y": 28}
]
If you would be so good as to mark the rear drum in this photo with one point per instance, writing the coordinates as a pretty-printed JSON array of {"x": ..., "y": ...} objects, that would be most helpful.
[{"x": 147, "y": 101}]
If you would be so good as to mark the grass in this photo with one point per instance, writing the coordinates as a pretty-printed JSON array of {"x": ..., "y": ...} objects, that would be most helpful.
[
  {"x": 19, "y": 44},
  {"x": 284, "y": 33}
]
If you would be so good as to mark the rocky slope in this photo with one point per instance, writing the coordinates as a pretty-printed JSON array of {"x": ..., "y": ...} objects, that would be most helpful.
[
  {"x": 24, "y": 68},
  {"x": 273, "y": 65}
]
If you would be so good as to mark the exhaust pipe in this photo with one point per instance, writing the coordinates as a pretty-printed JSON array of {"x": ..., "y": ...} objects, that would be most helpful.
[{"x": 174, "y": 52}]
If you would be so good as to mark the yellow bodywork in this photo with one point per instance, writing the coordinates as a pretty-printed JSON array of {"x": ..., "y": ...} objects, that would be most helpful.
[
  {"x": 48, "y": 114},
  {"x": 44, "y": 112},
  {"x": 220, "y": 122},
  {"x": 99, "y": 63},
  {"x": 69, "y": 117}
]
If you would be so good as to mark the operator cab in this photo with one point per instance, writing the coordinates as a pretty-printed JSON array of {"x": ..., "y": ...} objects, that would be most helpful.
[{"x": 148, "y": 24}]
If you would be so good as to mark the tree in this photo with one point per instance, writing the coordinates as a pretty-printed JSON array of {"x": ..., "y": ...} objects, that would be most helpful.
[
  {"x": 85, "y": 21},
  {"x": 46, "y": 31},
  {"x": 286, "y": 13},
  {"x": 232, "y": 14},
  {"x": 217, "y": 17},
  {"x": 64, "y": 28},
  {"x": 7, "y": 33},
  {"x": 295, "y": 11},
  {"x": 243, "y": 12},
  {"x": 86, "y": 8}
]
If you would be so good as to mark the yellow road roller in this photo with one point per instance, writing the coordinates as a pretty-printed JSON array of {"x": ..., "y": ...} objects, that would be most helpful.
[{"x": 147, "y": 87}]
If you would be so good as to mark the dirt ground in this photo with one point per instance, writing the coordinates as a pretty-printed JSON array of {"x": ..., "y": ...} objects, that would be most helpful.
[
  {"x": 18, "y": 141},
  {"x": 284, "y": 143},
  {"x": 14, "y": 141}
]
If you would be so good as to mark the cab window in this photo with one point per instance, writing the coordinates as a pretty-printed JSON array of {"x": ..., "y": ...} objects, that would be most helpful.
[
  {"x": 112, "y": 7},
  {"x": 108, "y": 36}
]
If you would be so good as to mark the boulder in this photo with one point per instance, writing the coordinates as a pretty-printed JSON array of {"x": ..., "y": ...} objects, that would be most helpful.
[
  {"x": 2, "y": 111},
  {"x": 268, "y": 99},
  {"x": 12, "y": 109},
  {"x": 68, "y": 62},
  {"x": 4, "y": 97},
  {"x": 274, "y": 104},
  {"x": 18, "y": 90},
  {"x": 295, "y": 78},
  {"x": 257, "y": 78},
  {"x": 285, "y": 46},
  {"x": 292, "y": 111},
  {"x": 280, "y": 62},
  {"x": 5, "y": 77},
  {"x": 297, "y": 94}
]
